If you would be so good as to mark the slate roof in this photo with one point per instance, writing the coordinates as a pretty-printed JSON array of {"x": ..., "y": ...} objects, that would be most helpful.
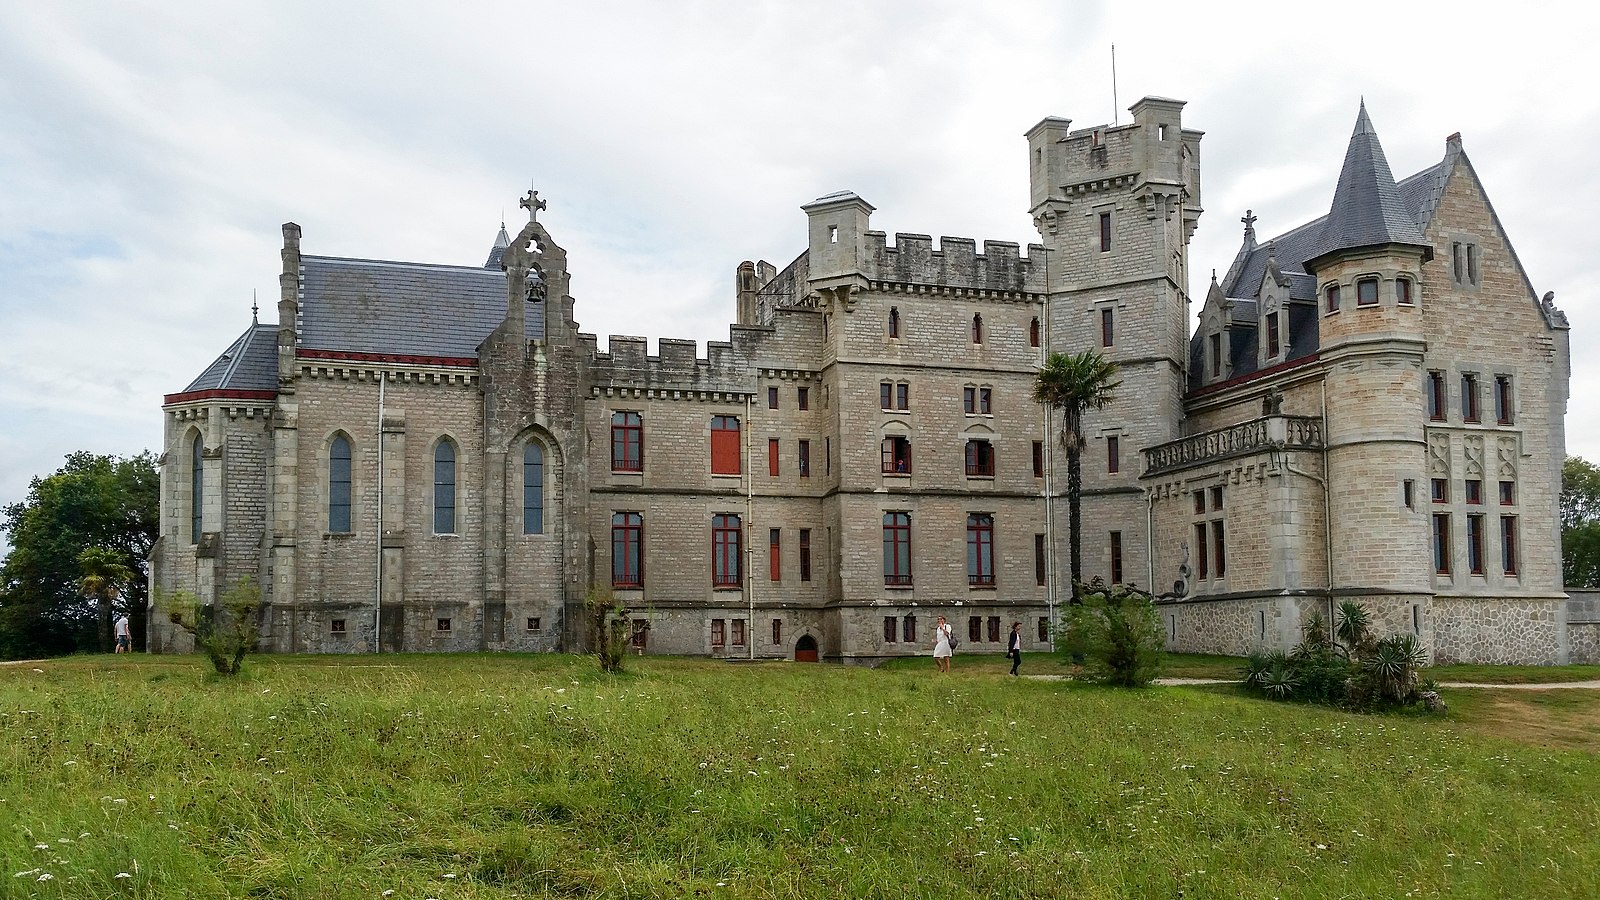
[
  {"x": 501, "y": 242},
  {"x": 401, "y": 308},
  {"x": 249, "y": 364},
  {"x": 1367, "y": 210}
]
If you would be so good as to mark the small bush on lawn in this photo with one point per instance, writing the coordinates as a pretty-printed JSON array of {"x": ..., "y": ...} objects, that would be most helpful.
[
  {"x": 224, "y": 631},
  {"x": 1116, "y": 632},
  {"x": 1355, "y": 672}
]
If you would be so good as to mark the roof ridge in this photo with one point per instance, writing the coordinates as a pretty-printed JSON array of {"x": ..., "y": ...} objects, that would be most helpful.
[{"x": 393, "y": 263}]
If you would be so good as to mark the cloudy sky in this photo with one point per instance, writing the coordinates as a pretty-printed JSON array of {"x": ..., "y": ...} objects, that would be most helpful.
[{"x": 149, "y": 152}]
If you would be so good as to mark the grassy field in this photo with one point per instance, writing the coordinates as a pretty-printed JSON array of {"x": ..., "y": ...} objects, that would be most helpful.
[{"x": 515, "y": 776}]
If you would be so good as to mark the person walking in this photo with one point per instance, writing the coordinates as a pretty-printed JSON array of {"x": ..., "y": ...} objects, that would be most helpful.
[
  {"x": 124, "y": 635},
  {"x": 1014, "y": 647},
  {"x": 941, "y": 645}
]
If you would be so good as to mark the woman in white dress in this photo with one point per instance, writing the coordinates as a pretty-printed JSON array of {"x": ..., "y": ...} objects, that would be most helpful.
[{"x": 941, "y": 645}]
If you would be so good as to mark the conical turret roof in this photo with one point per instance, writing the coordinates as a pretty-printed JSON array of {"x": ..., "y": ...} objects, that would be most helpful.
[
  {"x": 1367, "y": 208},
  {"x": 501, "y": 242}
]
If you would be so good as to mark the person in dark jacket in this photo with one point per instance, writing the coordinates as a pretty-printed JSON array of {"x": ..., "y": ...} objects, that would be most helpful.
[{"x": 1014, "y": 647}]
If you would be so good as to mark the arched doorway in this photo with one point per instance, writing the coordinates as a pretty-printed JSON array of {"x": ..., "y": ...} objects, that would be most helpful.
[{"x": 805, "y": 649}]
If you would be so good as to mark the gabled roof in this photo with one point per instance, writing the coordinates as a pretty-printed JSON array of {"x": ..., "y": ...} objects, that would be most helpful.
[
  {"x": 400, "y": 308},
  {"x": 249, "y": 364},
  {"x": 1367, "y": 210}
]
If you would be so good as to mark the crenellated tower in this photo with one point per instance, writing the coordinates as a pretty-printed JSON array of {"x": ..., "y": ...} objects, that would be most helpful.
[{"x": 1116, "y": 207}]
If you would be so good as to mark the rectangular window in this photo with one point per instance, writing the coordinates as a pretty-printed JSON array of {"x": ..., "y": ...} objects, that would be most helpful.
[
  {"x": 339, "y": 487},
  {"x": 1200, "y": 501},
  {"x": 1508, "y": 493},
  {"x": 891, "y": 630},
  {"x": 738, "y": 632},
  {"x": 777, "y": 631},
  {"x": 1367, "y": 292},
  {"x": 336, "y": 626},
  {"x": 1474, "y": 491},
  {"x": 994, "y": 629},
  {"x": 1201, "y": 544},
  {"x": 802, "y": 398},
  {"x": 1038, "y": 559},
  {"x": 886, "y": 395},
  {"x": 803, "y": 463},
  {"x": 897, "y": 548},
  {"x": 1216, "y": 497},
  {"x": 980, "y": 550},
  {"x": 827, "y": 456},
  {"x": 772, "y": 457},
  {"x": 1472, "y": 264},
  {"x": 985, "y": 397},
  {"x": 1272, "y": 334},
  {"x": 1440, "y": 490},
  {"x": 969, "y": 400},
  {"x": 441, "y": 625},
  {"x": 902, "y": 396},
  {"x": 1216, "y": 356},
  {"x": 1044, "y": 630},
  {"x": 1116, "y": 557},
  {"x": 1108, "y": 332},
  {"x": 717, "y": 628},
  {"x": 1105, "y": 232},
  {"x": 725, "y": 445},
  {"x": 1469, "y": 397},
  {"x": 1332, "y": 295},
  {"x": 1502, "y": 399},
  {"x": 774, "y": 554},
  {"x": 1219, "y": 549},
  {"x": 1475, "y": 544},
  {"x": 534, "y": 623},
  {"x": 627, "y": 442},
  {"x": 974, "y": 628},
  {"x": 908, "y": 629},
  {"x": 627, "y": 540},
  {"x": 1458, "y": 262},
  {"x": 772, "y": 398},
  {"x": 1402, "y": 292},
  {"x": 1038, "y": 459},
  {"x": 896, "y": 453},
  {"x": 1408, "y": 494},
  {"x": 1113, "y": 455},
  {"x": 1441, "y": 543},
  {"x": 805, "y": 554},
  {"x": 726, "y": 533},
  {"x": 1508, "y": 544},
  {"x": 980, "y": 459},
  {"x": 444, "y": 488},
  {"x": 1436, "y": 396}
]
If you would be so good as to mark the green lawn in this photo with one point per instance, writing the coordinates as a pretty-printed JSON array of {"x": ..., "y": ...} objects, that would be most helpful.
[{"x": 520, "y": 776}]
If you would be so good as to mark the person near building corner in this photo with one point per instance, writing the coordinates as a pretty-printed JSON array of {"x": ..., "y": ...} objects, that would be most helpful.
[
  {"x": 1014, "y": 647},
  {"x": 941, "y": 645}
]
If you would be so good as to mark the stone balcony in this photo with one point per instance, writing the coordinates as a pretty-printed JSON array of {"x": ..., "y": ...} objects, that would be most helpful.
[{"x": 1254, "y": 436}]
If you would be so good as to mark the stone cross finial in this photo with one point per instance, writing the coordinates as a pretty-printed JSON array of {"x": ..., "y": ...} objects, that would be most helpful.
[
  {"x": 1249, "y": 220},
  {"x": 532, "y": 204}
]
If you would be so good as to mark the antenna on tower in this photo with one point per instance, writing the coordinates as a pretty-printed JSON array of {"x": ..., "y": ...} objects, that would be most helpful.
[{"x": 1115, "y": 118}]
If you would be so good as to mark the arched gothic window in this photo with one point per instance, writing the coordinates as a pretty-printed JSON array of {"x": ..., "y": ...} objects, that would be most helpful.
[
  {"x": 894, "y": 321},
  {"x": 977, "y": 328},
  {"x": 532, "y": 489},
  {"x": 197, "y": 488},
  {"x": 444, "y": 487},
  {"x": 339, "y": 485},
  {"x": 1033, "y": 332}
]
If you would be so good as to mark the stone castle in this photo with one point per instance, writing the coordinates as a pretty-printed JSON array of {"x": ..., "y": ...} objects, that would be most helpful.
[{"x": 423, "y": 457}]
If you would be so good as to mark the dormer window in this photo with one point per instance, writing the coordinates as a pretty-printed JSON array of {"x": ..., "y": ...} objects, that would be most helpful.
[
  {"x": 1331, "y": 298},
  {"x": 1272, "y": 335},
  {"x": 1367, "y": 292},
  {"x": 1216, "y": 356}
]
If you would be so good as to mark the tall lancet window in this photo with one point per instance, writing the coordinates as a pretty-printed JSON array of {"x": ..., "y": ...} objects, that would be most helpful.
[
  {"x": 197, "y": 488},
  {"x": 444, "y": 488},
  {"x": 339, "y": 485},
  {"x": 533, "y": 489}
]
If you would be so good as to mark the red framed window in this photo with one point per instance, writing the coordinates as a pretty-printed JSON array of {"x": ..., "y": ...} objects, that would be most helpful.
[
  {"x": 1113, "y": 454},
  {"x": 980, "y": 550},
  {"x": 1469, "y": 397},
  {"x": 772, "y": 457},
  {"x": 1436, "y": 396},
  {"x": 1475, "y": 544},
  {"x": 774, "y": 554},
  {"x": 1200, "y": 545},
  {"x": 805, "y": 554},
  {"x": 725, "y": 445},
  {"x": 1439, "y": 490},
  {"x": 980, "y": 459},
  {"x": 1108, "y": 334},
  {"x": 1331, "y": 297},
  {"x": 726, "y": 531},
  {"x": 1402, "y": 292},
  {"x": 897, "y": 548},
  {"x": 627, "y": 442},
  {"x": 718, "y": 637},
  {"x": 1508, "y": 493},
  {"x": 627, "y": 546},
  {"x": 1502, "y": 399},
  {"x": 896, "y": 452},
  {"x": 1508, "y": 544},
  {"x": 1219, "y": 549},
  {"x": 1441, "y": 543},
  {"x": 1474, "y": 490}
]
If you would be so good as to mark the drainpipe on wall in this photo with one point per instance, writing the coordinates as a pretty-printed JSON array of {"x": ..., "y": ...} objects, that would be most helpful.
[
  {"x": 377, "y": 606},
  {"x": 1049, "y": 465},
  {"x": 750, "y": 545}
]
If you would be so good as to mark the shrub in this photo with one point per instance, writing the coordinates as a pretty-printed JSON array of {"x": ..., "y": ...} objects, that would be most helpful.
[
  {"x": 609, "y": 628},
  {"x": 1116, "y": 632},
  {"x": 224, "y": 631},
  {"x": 1357, "y": 672}
]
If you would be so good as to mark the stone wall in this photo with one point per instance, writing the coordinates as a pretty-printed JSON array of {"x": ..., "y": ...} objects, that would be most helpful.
[{"x": 1504, "y": 631}]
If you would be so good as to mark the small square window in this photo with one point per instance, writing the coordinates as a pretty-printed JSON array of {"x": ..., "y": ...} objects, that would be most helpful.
[
  {"x": 1367, "y": 292},
  {"x": 441, "y": 624},
  {"x": 336, "y": 626},
  {"x": 534, "y": 623}
]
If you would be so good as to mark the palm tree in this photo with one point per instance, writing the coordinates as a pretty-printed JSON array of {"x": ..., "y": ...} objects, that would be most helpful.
[
  {"x": 103, "y": 572},
  {"x": 1073, "y": 385}
]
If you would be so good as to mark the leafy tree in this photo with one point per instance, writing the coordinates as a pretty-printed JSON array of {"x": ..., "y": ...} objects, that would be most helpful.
[
  {"x": 1580, "y": 523},
  {"x": 609, "y": 628},
  {"x": 1116, "y": 632},
  {"x": 1073, "y": 385},
  {"x": 93, "y": 502},
  {"x": 103, "y": 576},
  {"x": 224, "y": 631}
]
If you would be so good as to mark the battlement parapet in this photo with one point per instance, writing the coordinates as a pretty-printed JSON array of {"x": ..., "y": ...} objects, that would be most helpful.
[
  {"x": 956, "y": 263},
  {"x": 676, "y": 366}
]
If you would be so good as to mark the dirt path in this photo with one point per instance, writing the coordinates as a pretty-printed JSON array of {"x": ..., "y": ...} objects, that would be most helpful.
[{"x": 1550, "y": 686}]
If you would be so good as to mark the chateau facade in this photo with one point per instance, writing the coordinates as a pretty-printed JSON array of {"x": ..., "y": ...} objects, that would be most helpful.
[{"x": 424, "y": 457}]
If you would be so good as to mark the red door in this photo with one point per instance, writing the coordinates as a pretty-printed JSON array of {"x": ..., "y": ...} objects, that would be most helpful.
[{"x": 805, "y": 649}]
